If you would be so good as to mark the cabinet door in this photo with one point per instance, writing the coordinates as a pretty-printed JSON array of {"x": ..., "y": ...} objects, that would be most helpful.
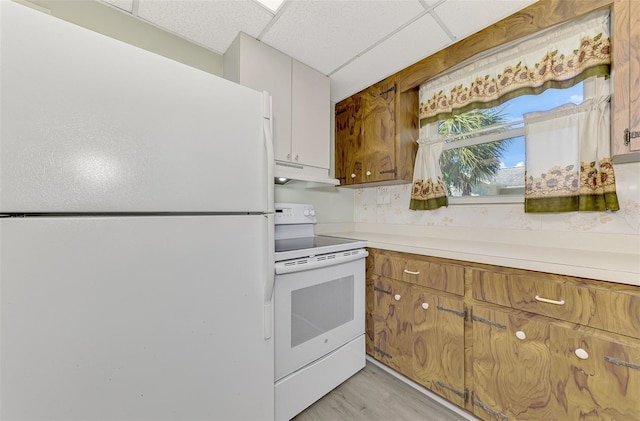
[
  {"x": 379, "y": 132},
  {"x": 626, "y": 93},
  {"x": 349, "y": 150},
  {"x": 370, "y": 299},
  {"x": 438, "y": 343},
  {"x": 263, "y": 68},
  {"x": 392, "y": 326},
  {"x": 310, "y": 116},
  {"x": 511, "y": 366},
  {"x": 595, "y": 375}
]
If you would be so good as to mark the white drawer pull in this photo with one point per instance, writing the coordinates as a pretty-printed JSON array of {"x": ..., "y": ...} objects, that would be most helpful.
[
  {"x": 521, "y": 335},
  {"x": 549, "y": 301},
  {"x": 411, "y": 272},
  {"x": 425, "y": 306},
  {"x": 397, "y": 297},
  {"x": 582, "y": 354}
]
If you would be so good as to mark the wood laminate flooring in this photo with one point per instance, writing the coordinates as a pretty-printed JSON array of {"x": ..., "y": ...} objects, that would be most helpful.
[{"x": 375, "y": 395}]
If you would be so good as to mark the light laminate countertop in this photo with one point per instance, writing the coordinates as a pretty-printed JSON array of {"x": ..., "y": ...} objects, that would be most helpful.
[{"x": 606, "y": 257}]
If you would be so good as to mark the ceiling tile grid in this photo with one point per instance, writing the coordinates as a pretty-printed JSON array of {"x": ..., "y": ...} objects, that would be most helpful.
[
  {"x": 326, "y": 34},
  {"x": 213, "y": 24},
  {"x": 466, "y": 17},
  {"x": 355, "y": 42},
  {"x": 416, "y": 41}
]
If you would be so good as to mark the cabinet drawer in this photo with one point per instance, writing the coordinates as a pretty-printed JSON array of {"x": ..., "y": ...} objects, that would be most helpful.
[
  {"x": 611, "y": 307},
  {"x": 421, "y": 271}
]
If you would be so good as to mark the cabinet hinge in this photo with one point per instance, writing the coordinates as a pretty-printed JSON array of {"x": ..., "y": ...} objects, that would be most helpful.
[
  {"x": 384, "y": 291},
  {"x": 629, "y": 135},
  {"x": 379, "y": 351},
  {"x": 394, "y": 171},
  {"x": 621, "y": 362},
  {"x": 341, "y": 112},
  {"x": 462, "y": 314},
  {"x": 393, "y": 89},
  {"x": 466, "y": 395},
  {"x": 489, "y": 322},
  {"x": 463, "y": 395},
  {"x": 492, "y": 411}
]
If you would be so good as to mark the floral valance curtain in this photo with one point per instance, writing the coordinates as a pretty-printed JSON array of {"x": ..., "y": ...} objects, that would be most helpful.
[
  {"x": 568, "y": 157},
  {"x": 558, "y": 58}
]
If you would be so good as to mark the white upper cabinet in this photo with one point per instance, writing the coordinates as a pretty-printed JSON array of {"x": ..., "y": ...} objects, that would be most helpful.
[
  {"x": 310, "y": 123},
  {"x": 300, "y": 100},
  {"x": 251, "y": 63}
]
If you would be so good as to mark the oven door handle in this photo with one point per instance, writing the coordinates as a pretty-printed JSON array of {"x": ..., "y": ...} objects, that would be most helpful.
[{"x": 315, "y": 262}]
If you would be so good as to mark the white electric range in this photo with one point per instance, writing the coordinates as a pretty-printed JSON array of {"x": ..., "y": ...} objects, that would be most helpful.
[{"x": 319, "y": 309}]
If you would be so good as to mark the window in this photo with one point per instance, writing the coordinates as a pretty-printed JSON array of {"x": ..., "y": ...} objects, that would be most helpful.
[
  {"x": 483, "y": 146},
  {"x": 484, "y": 153}
]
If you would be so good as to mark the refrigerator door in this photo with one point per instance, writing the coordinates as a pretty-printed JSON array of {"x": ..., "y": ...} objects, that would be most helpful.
[
  {"x": 136, "y": 318},
  {"x": 90, "y": 124}
]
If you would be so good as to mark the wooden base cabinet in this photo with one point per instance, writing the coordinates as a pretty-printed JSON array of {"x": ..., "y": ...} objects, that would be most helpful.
[
  {"x": 595, "y": 375},
  {"x": 438, "y": 343},
  {"x": 507, "y": 344},
  {"x": 511, "y": 366},
  {"x": 392, "y": 326}
]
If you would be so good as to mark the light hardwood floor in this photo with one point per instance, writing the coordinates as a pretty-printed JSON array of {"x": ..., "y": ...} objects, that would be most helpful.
[{"x": 375, "y": 395}]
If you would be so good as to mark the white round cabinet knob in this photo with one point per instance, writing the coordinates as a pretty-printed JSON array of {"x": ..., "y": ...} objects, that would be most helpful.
[
  {"x": 353, "y": 176},
  {"x": 368, "y": 172},
  {"x": 582, "y": 354},
  {"x": 521, "y": 335},
  {"x": 425, "y": 306},
  {"x": 397, "y": 297}
]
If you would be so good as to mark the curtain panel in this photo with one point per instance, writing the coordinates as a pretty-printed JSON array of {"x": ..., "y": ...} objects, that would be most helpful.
[
  {"x": 568, "y": 162},
  {"x": 559, "y": 57},
  {"x": 428, "y": 191}
]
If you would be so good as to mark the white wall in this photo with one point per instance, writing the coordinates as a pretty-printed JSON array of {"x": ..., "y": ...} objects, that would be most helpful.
[
  {"x": 122, "y": 26},
  {"x": 506, "y": 217}
]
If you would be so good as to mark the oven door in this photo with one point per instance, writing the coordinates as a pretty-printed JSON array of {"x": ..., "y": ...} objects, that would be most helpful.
[{"x": 316, "y": 312}]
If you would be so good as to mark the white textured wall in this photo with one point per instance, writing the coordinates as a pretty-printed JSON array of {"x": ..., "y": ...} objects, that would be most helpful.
[
  {"x": 332, "y": 204},
  {"x": 506, "y": 217}
]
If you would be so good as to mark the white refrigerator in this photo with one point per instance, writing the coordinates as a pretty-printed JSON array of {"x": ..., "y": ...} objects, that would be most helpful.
[{"x": 136, "y": 233}]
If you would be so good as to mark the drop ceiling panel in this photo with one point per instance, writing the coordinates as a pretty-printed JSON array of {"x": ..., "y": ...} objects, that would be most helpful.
[
  {"x": 212, "y": 23},
  {"x": 417, "y": 41},
  {"x": 327, "y": 34},
  {"x": 465, "y": 17}
]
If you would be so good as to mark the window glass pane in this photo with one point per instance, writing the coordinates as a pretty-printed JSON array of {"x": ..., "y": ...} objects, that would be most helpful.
[{"x": 495, "y": 167}]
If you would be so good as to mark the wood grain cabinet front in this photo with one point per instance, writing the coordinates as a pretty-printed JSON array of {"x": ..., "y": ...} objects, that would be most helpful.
[
  {"x": 426, "y": 271},
  {"x": 511, "y": 366},
  {"x": 392, "y": 324},
  {"x": 594, "y": 374},
  {"x": 437, "y": 325},
  {"x": 626, "y": 79},
  {"x": 371, "y": 146},
  {"x": 603, "y": 305}
]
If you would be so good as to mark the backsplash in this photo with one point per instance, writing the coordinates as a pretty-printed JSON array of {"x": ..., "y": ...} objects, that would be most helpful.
[{"x": 390, "y": 205}]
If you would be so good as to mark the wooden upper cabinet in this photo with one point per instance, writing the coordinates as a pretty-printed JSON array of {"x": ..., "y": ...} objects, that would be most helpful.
[
  {"x": 626, "y": 95},
  {"x": 349, "y": 140},
  {"x": 379, "y": 133},
  {"x": 372, "y": 146}
]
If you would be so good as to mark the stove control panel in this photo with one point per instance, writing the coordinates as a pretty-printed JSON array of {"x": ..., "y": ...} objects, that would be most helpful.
[{"x": 295, "y": 213}]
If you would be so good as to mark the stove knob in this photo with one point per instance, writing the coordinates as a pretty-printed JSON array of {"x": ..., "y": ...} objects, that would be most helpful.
[
  {"x": 313, "y": 213},
  {"x": 306, "y": 212}
]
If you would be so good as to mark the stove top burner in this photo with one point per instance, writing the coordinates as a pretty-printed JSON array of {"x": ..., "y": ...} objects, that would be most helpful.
[
  {"x": 295, "y": 248},
  {"x": 302, "y": 243}
]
